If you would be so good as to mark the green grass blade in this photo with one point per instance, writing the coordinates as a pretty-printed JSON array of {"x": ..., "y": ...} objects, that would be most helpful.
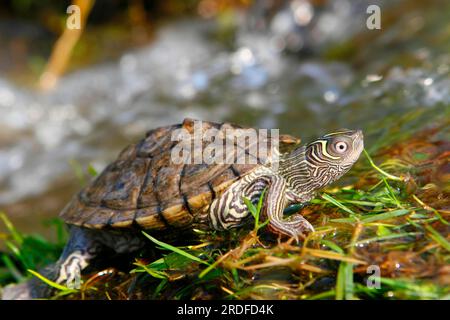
[
  {"x": 12, "y": 268},
  {"x": 260, "y": 201},
  {"x": 391, "y": 192},
  {"x": 256, "y": 211},
  {"x": 362, "y": 203},
  {"x": 14, "y": 233},
  {"x": 337, "y": 203},
  {"x": 323, "y": 295},
  {"x": 160, "y": 286},
  {"x": 384, "y": 173},
  {"x": 344, "y": 283},
  {"x": 252, "y": 210},
  {"x": 175, "y": 249},
  {"x": 92, "y": 171},
  {"x": 51, "y": 283},
  {"x": 384, "y": 216},
  {"x": 209, "y": 268},
  {"x": 389, "y": 237},
  {"x": 250, "y": 207},
  {"x": 344, "y": 220},
  {"x": 332, "y": 246},
  {"x": 349, "y": 285},
  {"x": 383, "y": 231},
  {"x": 340, "y": 282},
  {"x": 153, "y": 273},
  {"x": 436, "y": 236}
]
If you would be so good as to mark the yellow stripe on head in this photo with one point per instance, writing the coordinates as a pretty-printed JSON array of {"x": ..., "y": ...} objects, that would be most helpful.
[{"x": 324, "y": 150}]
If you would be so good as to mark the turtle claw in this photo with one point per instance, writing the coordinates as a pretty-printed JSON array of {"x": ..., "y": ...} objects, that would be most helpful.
[
  {"x": 295, "y": 226},
  {"x": 299, "y": 225},
  {"x": 307, "y": 226}
]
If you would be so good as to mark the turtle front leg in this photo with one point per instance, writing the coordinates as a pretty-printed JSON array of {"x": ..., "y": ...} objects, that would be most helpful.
[
  {"x": 77, "y": 254},
  {"x": 274, "y": 204}
]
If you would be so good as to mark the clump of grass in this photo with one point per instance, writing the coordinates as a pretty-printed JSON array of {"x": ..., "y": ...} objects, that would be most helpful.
[{"x": 27, "y": 251}]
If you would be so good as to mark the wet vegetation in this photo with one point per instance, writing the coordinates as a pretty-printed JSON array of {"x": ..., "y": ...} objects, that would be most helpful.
[
  {"x": 389, "y": 214},
  {"x": 392, "y": 218}
]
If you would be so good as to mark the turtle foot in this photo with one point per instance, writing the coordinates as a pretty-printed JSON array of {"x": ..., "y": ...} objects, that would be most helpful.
[{"x": 295, "y": 226}]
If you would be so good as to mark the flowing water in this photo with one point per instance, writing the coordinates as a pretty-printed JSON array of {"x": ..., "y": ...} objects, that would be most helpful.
[{"x": 301, "y": 68}]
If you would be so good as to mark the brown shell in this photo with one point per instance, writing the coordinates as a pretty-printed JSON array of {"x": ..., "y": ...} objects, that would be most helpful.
[{"x": 144, "y": 187}]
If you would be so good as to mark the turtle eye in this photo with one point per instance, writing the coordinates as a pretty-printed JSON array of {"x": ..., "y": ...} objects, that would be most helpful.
[{"x": 340, "y": 146}]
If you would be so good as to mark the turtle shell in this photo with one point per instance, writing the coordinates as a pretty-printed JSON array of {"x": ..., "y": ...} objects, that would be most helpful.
[{"x": 143, "y": 187}]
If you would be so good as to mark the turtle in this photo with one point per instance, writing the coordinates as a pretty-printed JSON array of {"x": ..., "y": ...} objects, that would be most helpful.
[{"x": 147, "y": 188}]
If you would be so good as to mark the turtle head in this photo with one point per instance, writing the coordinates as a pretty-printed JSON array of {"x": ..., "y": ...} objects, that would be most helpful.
[
  {"x": 332, "y": 155},
  {"x": 322, "y": 161}
]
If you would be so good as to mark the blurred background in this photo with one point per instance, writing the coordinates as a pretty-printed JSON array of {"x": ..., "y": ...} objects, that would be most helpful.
[{"x": 72, "y": 99}]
